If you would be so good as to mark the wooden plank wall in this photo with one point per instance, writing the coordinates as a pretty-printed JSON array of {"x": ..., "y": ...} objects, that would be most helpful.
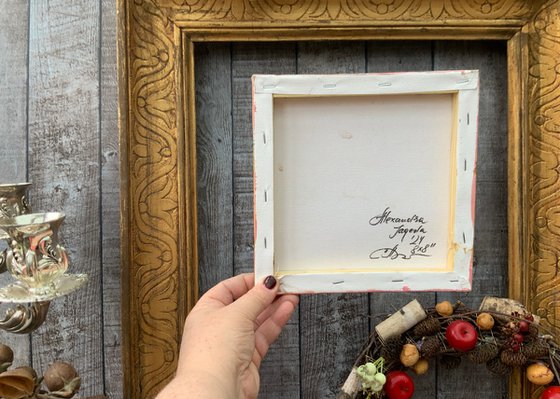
[
  {"x": 58, "y": 102},
  {"x": 13, "y": 121},
  {"x": 59, "y": 128},
  {"x": 314, "y": 353}
]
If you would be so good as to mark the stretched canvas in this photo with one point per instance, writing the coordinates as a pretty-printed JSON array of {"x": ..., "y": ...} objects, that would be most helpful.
[{"x": 365, "y": 182}]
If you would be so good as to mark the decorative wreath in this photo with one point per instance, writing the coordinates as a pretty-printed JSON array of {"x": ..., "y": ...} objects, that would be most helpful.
[{"x": 501, "y": 334}]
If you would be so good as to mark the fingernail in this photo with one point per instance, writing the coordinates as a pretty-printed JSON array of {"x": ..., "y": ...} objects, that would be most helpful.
[{"x": 270, "y": 282}]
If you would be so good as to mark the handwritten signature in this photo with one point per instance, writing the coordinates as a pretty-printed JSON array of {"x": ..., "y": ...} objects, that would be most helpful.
[
  {"x": 403, "y": 231},
  {"x": 393, "y": 253},
  {"x": 386, "y": 218}
]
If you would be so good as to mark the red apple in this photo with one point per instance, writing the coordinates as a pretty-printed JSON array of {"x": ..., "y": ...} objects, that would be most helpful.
[
  {"x": 552, "y": 392},
  {"x": 399, "y": 385},
  {"x": 461, "y": 335}
]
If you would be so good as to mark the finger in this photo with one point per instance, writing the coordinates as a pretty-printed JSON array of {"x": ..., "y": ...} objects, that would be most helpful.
[
  {"x": 271, "y": 328},
  {"x": 254, "y": 302},
  {"x": 272, "y": 308},
  {"x": 228, "y": 291}
]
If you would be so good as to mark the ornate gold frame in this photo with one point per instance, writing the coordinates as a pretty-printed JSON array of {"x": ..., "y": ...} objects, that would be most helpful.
[{"x": 159, "y": 237}]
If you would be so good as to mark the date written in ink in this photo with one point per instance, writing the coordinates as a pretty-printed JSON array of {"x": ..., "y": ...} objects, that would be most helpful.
[{"x": 397, "y": 253}]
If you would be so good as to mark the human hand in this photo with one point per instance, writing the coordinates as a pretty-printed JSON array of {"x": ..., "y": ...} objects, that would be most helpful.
[{"x": 226, "y": 336}]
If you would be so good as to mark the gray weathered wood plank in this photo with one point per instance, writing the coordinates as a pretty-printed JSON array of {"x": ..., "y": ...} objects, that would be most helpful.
[
  {"x": 64, "y": 163},
  {"x": 214, "y": 163},
  {"x": 13, "y": 125},
  {"x": 110, "y": 204},
  {"x": 332, "y": 327},
  {"x": 490, "y": 245},
  {"x": 280, "y": 370},
  {"x": 13, "y": 90},
  {"x": 402, "y": 56}
]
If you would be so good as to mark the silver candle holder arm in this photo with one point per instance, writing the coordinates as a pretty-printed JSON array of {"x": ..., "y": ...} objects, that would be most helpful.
[
  {"x": 34, "y": 258},
  {"x": 23, "y": 319},
  {"x": 13, "y": 202}
]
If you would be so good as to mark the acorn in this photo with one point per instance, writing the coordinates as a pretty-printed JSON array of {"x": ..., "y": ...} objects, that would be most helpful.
[
  {"x": 58, "y": 375},
  {"x": 444, "y": 308},
  {"x": 409, "y": 355},
  {"x": 539, "y": 374},
  {"x": 485, "y": 321},
  {"x": 421, "y": 367}
]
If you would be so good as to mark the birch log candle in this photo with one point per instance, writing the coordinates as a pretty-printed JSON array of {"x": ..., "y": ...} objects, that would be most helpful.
[{"x": 404, "y": 319}]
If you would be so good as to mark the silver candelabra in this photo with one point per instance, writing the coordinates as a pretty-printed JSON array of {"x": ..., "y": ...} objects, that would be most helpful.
[{"x": 34, "y": 258}]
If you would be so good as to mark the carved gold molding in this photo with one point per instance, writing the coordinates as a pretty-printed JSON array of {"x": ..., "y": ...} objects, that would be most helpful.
[
  {"x": 338, "y": 11},
  {"x": 544, "y": 165},
  {"x": 154, "y": 287},
  {"x": 158, "y": 148}
]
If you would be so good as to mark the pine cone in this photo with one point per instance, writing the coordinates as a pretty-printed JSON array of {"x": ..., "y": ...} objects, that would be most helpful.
[
  {"x": 511, "y": 358},
  {"x": 391, "y": 349},
  {"x": 536, "y": 349},
  {"x": 509, "y": 328},
  {"x": 430, "y": 346},
  {"x": 483, "y": 353},
  {"x": 459, "y": 308},
  {"x": 497, "y": 367},
  {"x": 533, "y": 330},
  {"x": 450, "y": 362},
  {"x": 429, "y": 326}
]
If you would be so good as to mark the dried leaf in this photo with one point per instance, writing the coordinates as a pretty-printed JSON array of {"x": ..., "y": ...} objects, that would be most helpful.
[{"x": 69, "y": 390}]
